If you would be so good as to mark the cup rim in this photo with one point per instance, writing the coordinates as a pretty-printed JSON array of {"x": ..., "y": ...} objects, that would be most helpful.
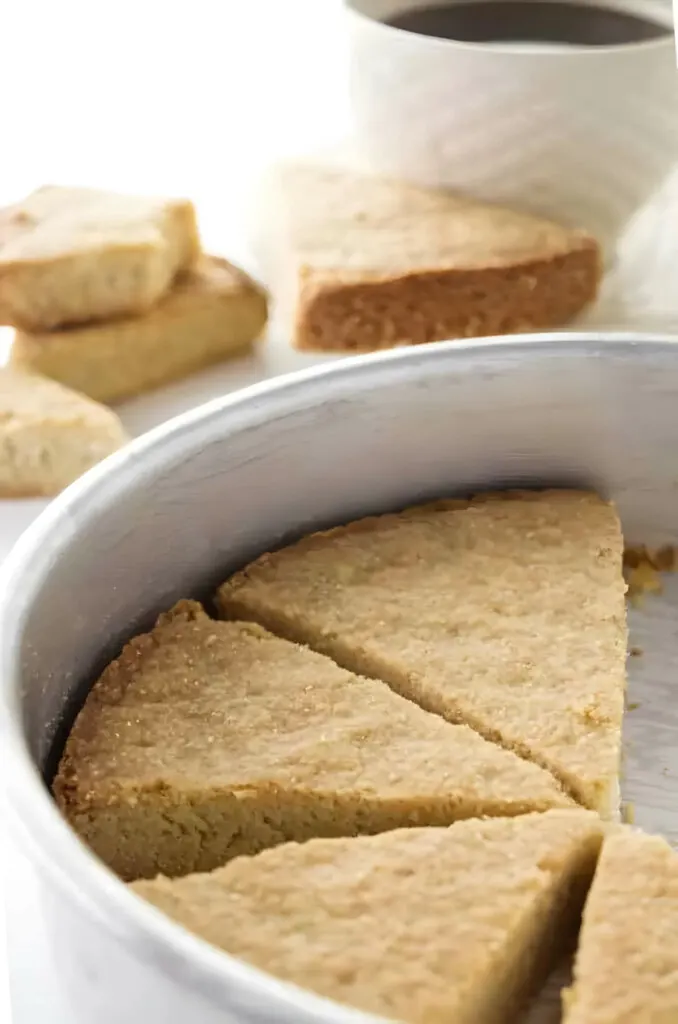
[{"x": 552, "y": 52}]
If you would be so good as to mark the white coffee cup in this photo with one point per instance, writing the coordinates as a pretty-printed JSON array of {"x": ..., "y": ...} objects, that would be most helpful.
[{"x": 583, "y": 134}]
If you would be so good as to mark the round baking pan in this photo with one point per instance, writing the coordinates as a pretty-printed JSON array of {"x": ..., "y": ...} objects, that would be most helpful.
[{"x": 174, "y": 512}]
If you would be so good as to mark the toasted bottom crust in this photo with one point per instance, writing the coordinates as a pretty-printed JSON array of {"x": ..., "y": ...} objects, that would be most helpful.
[{"x": 438, "y": 305}]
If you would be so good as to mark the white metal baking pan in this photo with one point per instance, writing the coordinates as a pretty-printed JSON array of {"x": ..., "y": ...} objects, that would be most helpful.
[{"x": 171, "y": 514}]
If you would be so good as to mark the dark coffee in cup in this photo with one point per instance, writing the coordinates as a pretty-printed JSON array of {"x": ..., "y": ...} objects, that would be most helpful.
[{"x": 554, "y": 22}]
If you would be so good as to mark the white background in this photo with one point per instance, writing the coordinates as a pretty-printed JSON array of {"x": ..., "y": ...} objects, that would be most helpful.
[{"x": 180, "y": 96}]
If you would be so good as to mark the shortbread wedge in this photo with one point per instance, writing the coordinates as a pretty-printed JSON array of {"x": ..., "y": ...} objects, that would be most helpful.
[
  {"x": 626, "y": 969},
  {"x": 70, "y": 255},
  {"x": 49, "y": 435},
  {"x": 359, "y": 263},
  {"x": 213, "y": 312},
  {"x": 423, "y": 926},
  {"x": 207, "y": 739},
  {"x": 506, "y": 613}
]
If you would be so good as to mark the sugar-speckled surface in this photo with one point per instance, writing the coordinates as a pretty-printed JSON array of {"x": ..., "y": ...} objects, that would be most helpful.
[{"x": 506, "y": 613}]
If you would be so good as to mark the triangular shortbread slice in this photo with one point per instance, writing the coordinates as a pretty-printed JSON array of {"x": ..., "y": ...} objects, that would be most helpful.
[
  {"x": 506, "y": 613},
  {"x": 49, "y": 435},
  {"x": 423, "y": 926},
  {"x": 207, "y": 739},
  {"x": 359, "y": 263},
  {"x": 626, "y": 969}
]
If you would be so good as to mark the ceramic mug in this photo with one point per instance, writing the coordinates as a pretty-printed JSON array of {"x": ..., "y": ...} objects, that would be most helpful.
[{"x": 583, "y": 134}]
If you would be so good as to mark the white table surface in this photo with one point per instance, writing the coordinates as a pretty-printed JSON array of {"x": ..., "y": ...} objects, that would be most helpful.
[{"x": 197, "y": 99}]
